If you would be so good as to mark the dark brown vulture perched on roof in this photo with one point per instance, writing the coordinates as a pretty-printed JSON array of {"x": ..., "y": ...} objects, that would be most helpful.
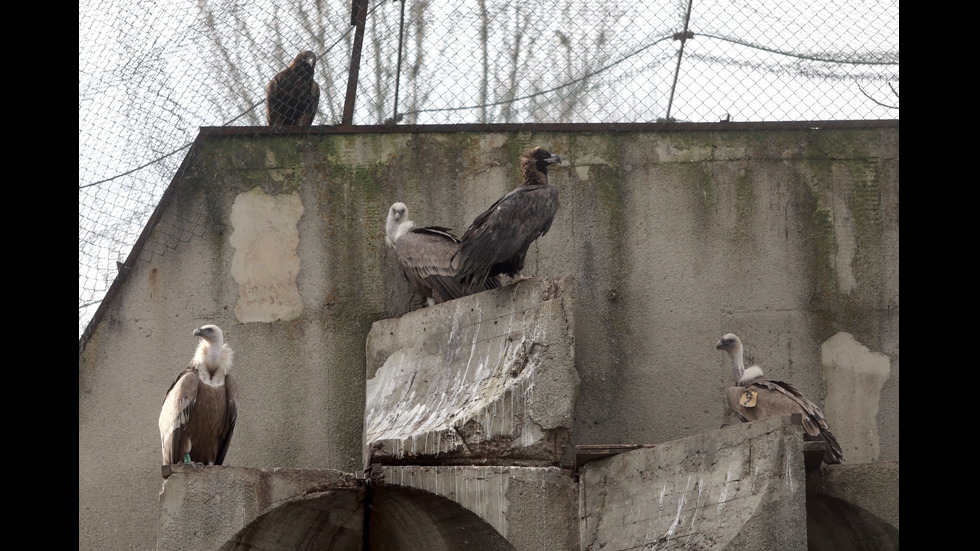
[
  {"x": 292, "y": 96},
  {"x": 424, "y": 255},
  {"x": 199, "y": 412},
  {"x": 756, "y": 397},
  {"x": 497, "y": 240}
]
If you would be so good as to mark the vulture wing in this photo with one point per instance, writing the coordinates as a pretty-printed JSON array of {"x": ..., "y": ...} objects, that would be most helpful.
[
  {"x": 178, "y": 406},
  {"x": 498, "y": 239},
  {"x": 231, "y": 416},
  {"x": 762, "y": 398},
  {"x": 425, "y": 256}
]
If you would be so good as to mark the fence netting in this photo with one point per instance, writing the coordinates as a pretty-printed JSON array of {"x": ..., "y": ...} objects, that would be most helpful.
[{"x": 152, "y": 73}]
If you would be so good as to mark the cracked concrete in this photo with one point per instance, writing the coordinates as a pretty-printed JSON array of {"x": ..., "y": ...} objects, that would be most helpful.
[{"x": 484, "y": 380}]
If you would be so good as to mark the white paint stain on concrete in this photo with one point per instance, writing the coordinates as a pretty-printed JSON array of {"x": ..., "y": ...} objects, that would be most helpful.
[
  {"x": 265, "y": 262},
  {"x": 855, "y": 376}
]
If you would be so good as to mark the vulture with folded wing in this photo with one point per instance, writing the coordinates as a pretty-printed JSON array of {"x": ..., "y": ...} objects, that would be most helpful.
[
  {"x": 292, "y": 96},
  {"x": 199, "y": 412},
  {"x": 757, "y": 397},
  {"x": 424, "y": 255},
  {"x": 498, "y": 239}
]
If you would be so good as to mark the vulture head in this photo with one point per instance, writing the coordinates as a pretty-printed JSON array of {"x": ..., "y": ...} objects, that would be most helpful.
[
  {"x": 733, "y": 346},
  {"x": 398, "y": 223},
  {"x": 305, "y": 61},
  {"x": 210, "y": 333},
  {"x": 212, "y": 352},
  {"x": 535, "y": 163}
]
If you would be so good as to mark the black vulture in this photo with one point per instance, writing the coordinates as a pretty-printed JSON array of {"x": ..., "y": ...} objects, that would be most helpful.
[
  {"x": 496, "y": 242},
  {"x": 292, "y": 96}
]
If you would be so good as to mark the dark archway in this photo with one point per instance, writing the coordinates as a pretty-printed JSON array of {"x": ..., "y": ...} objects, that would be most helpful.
[
  {"x": 833, "y": 524},
  {"x": 405, "y": 518},
  {"x": 400, "y": 518}
]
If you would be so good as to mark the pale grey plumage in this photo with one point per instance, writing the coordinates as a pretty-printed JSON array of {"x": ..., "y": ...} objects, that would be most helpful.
[
  {"x": 756, "y": 397},
  {"x": 424, "y": 256}
]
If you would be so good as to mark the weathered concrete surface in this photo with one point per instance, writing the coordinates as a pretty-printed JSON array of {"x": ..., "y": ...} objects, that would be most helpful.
[
  {"x": 740, "y": 488},
  {"x": 241, "y": 509},
  {"x": 855, "y": 377},
  {"x": 786, "y": 237},
  {"x": 532, "y": 508},
  {"x": 486, "y": 379}
]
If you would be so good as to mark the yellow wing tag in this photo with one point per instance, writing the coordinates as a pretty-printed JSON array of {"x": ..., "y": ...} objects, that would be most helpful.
[{"x": 748, "y": 398}]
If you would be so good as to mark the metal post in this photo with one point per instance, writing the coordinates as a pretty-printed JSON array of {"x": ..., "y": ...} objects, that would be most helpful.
[{"x": 358, "y": 17}]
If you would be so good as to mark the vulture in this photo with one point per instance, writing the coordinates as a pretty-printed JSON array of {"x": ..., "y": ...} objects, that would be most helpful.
[
  {"x": 497, "y": 241},
  {"x": 292, "y": 96},
  {"x": 200, "y": 409},
  {"x": 424, "y": 256},
  {"x": 757, "y": 397}
]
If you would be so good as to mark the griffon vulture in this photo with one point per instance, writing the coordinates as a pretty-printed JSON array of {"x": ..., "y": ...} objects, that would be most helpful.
[
  {"x": 424, "y": 256},
  {"x": 756, "y": 397},
  {"x": 292, "y": 96},
  {"x": 199, "y": 412},
  {"x": 497, "y": 240}
]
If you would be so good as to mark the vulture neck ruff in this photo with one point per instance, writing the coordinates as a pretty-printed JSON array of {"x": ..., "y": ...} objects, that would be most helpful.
[
  {"x": 750, "y": 374},
  {"x": 212, "y": 362}
]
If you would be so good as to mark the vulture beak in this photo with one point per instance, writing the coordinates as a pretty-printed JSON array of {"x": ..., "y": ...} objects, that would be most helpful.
[
  {"x": 198, "y": 332},
  {"x": 720, "y": 345},
  {"x": 553, "y": 159}
]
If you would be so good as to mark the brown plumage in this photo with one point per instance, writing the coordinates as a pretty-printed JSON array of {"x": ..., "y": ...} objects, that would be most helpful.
[
  {"x": 292, "y": 96},
  {"x": 424, "y": 255},
  {"x": 757, "y": 397},
  {"x": 199, "y": 412},
  {"x": 497, "y": 241}
]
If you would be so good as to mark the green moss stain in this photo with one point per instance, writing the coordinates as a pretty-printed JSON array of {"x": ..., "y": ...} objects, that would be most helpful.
[
  {"x": 746, "y": 206},
  {"x": 611, "y": 271},
  {"x": 827, "y": 301},
  {"x": 841, "y": 163}
]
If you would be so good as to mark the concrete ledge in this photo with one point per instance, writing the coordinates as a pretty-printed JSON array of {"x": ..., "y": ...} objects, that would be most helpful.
[
  {"x": 530, "y": 508},
  {"x": 237, "y": 508},
  {"x": 488, "y": 379},
  {"x": 741, "y": 487}
]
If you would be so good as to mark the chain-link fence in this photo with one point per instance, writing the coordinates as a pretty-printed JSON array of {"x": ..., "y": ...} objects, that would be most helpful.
[{"x": 152, "y": 73}]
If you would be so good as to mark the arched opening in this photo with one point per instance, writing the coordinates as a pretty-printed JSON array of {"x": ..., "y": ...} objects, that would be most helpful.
[
  {"x": 833, "y": 524},
  {"x": 399, "y": 518},
  {"x": 405, "y": 518}
]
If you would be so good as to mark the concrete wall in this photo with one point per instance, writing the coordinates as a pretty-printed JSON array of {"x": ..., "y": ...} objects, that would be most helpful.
[{"x": 788, "y": 238}]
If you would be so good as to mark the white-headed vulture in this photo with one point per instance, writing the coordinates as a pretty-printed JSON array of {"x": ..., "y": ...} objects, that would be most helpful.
[
  {"x": 424, "y": 256},
  {"x": 200, "y": 409},
  {"x": 756, "y": 398}
]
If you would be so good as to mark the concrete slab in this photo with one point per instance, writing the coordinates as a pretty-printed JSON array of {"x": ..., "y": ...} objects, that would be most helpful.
[
  {"x": 488, "y": 379},
  {"x": 741, "y": 487}
]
